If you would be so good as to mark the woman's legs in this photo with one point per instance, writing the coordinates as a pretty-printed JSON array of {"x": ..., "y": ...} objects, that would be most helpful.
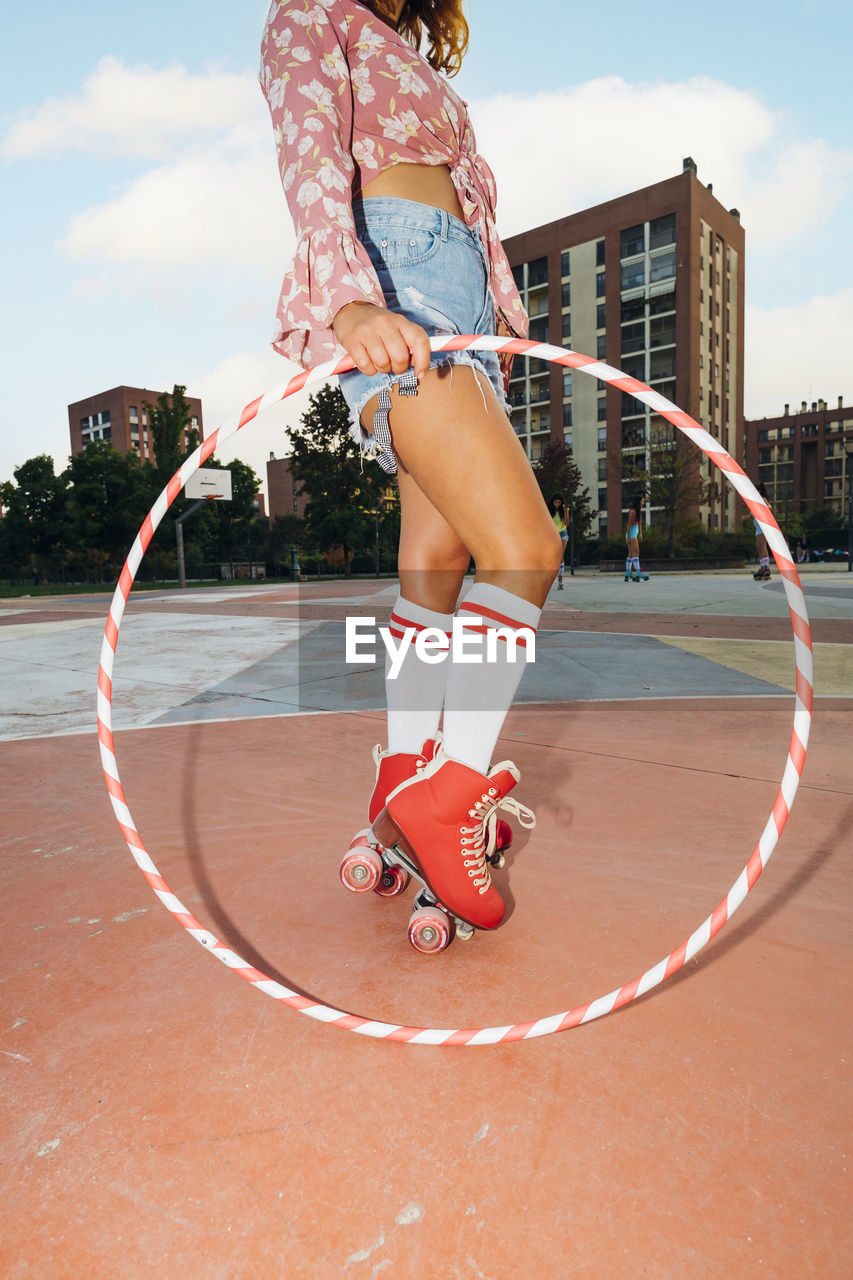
[
  {"x": 466, "y": 484},
  {"x": 432, "y": 563},
  {"x": 466, "y": 488},
  {"x": 456, "y": 444}
]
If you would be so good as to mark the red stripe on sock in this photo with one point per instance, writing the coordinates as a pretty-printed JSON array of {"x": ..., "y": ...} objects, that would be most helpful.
[
  {"x": 415, "y": 626},
  {"x": 483, "y": 612}
]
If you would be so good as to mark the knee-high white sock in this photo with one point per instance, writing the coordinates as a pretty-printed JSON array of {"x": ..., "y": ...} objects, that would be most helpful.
[
  {"x": 415, "y": 696},
  {"x": 479, "y": 694},
  {"x": 636, "y": 564},
  {"x": 628, "y": 565}
]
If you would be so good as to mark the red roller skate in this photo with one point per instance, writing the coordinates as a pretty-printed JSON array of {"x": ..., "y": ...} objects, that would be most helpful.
[
  {"x": 364, "y": 867},
  {"x": 441, "y": 828}
]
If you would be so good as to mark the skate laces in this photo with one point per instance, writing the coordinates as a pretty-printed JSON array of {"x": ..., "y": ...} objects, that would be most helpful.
[{"x": 478, "y": 842}]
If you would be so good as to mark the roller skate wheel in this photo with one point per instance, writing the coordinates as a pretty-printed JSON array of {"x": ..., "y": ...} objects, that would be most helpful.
[
  {"x": 465, "y": 932},
  {"x": 361, "y": 869},
  {"x": 394, "y": 880},
  {"x": 430, "y": 930}
]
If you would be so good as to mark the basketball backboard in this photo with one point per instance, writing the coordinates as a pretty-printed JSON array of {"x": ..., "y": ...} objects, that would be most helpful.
[{"x": 209, "y": 482}]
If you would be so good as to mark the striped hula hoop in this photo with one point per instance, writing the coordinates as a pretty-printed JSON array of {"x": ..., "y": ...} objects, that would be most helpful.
[{"x": 724, "y": 909}]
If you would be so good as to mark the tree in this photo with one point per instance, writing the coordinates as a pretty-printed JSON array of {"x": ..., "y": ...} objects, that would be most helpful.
[
  {"x": 168, "y": 420},
  {"x": 223, "y": 524},
  {"x": 557, "y": 472},
  {"x": 109, "y": 494},
  {"x": 344, "y": 495},
  {"x": 35, "y": 521}
]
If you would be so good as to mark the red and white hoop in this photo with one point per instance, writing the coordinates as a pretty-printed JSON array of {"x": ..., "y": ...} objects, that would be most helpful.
[{"x": 724, "y": 909}]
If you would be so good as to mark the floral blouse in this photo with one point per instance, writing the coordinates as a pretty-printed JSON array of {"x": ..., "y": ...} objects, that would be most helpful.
[{"x": 349, "y": 98}]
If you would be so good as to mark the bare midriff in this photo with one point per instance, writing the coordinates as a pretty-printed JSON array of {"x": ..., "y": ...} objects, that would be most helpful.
[{"x": 426, "y": 183}]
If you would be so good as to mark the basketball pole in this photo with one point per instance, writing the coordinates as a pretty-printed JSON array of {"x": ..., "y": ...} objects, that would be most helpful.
[{"x": 179, "y": 535}]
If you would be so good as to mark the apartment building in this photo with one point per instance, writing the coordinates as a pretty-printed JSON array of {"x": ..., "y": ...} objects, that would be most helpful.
[
  {"x": 804, "y": 459},
  {"x": 120, "y": 416},
  {"x": 652, "y": 283}
]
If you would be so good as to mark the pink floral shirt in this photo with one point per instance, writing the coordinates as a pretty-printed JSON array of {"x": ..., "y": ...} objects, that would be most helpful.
[{"x": 349, "y": 98}]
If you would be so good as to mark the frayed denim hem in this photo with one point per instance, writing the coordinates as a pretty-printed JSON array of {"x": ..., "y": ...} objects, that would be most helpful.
[{"x": 377, "y": 446}]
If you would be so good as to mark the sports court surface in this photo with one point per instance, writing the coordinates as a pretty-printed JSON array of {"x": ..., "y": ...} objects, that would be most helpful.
[{"x": 160, "y": 1118}]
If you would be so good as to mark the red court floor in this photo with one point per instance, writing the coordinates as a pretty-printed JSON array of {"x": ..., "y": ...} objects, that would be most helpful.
[{"x": 163, "y": 1119}]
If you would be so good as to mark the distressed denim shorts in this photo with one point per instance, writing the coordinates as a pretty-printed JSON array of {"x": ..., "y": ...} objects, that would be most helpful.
[{"x": 431, "y": 269}]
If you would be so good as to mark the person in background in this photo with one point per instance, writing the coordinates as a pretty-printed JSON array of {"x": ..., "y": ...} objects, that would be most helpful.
[
  {"x": 559, "y": 515},
  {"x": 762, "y": 573},
  {"x": 633, "y": 572}
]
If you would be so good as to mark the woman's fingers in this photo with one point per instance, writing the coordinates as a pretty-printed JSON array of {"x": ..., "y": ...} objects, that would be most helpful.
[
  {"x": 380, "y": 341},
  {"x": 418, "y": 343}
]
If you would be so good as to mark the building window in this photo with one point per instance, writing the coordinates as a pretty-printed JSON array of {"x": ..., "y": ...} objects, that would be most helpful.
[
  {"x": 566, "y": 264},
  {"x": 809, "y": 429},
  {"x": 634, "y": 274},
  {"x": 662, "y": 231},
  {"x": 567, "y": 324},
  {"x": 600, "y": 311},
  {"x": 600, "y": 288},
  {"x": 567, "y": 384},
  {"x": 601, "y": 346},
  {"x": 602, "y": 409},
  {"x": 662, "y": 266},
  {"x": 662, "y": 331},
  {"x": 662, "y": 302},
  {"x": 567, "y": 418},
  {"x": 633, "y": 309},
  {"x": 518, "y": 275},
  {"x": 634, "y": 366},
  {"x": 537, "y": 273},
  {"x": 134, "y": 413},
  {"x": 567, "y": 295},
  {"x": 632, "y": 240},
  {"x": 633, "y": 337},
  {"x": 602, "y": 439},
  {"x": 539, "y": 329},
  {"x": 602, "y": 499},
  {"x": 599, "y": 253},
  {"x": 602, "y": 469},
  {"x": 662, "y": 364},
  {"x": 567, "y": 439}
]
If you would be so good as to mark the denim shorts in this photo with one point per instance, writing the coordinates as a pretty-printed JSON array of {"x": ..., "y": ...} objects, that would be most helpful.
[{"x": 432, "y": 270}]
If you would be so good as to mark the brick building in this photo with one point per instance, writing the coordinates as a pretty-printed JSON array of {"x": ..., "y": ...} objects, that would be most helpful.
[
  {"x": 802, "y": 458},
  {"x": 653, "y": 283},
  {"x": 284, "y": 494},
  {"x": 120, "y": 416}
]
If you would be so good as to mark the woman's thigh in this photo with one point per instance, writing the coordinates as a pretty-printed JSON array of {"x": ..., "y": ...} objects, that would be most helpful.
[
  {"x": 432, "y": 560},
  {"x": 456, "y": 443}
]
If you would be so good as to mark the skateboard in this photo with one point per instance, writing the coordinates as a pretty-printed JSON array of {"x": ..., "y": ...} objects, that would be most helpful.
[
  {"x": 643, "y": 577},
  {"x": 369, "y": 867}
]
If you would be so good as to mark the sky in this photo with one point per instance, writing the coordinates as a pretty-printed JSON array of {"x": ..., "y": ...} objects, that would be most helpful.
[{"x": 145, "y": 235}]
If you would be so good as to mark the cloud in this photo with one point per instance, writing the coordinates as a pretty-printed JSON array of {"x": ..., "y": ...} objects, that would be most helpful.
[
  {"x": 796, "y": 353},
  {"x": 207, "y": 208},
  {"x": 556, "y": 153},
  {"x": 235, "y": 382},
  {"x": 134, "y": 111},
  {"x": 214, "y": 199}
]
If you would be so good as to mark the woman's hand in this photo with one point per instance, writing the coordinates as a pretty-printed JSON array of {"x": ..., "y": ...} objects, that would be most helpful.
[{"x": 380, "y": 341}]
